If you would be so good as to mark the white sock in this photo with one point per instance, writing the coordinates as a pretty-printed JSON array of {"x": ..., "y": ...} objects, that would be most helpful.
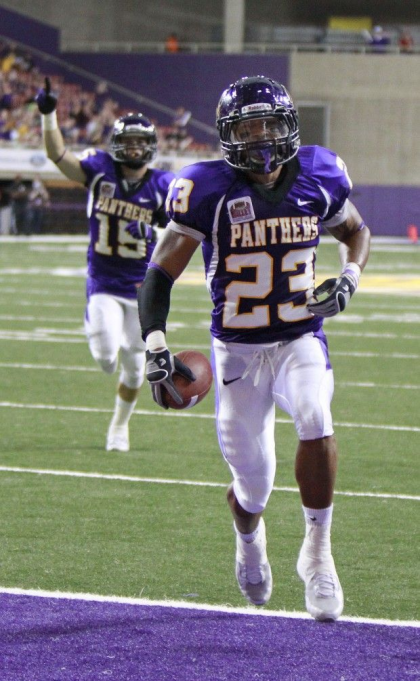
[
  {"x": 318, "y": 516},
  {"x": 122, "y": 411},
  {"x": 318, "y": 531},
  {"x": 251, "y": 548}
]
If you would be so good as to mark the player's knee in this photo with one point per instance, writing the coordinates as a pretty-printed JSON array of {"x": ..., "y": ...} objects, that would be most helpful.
[
  {"x": 109, "y": 366},
  {"x": 132, "y": 379},
  {"x": 313, "y": 420},
  {"x": 132, "y": 368},
  {"x": 252, "y": 494}
]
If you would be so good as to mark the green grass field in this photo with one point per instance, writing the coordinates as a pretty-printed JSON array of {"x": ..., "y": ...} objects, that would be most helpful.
[{"x": 137, "y": 528}]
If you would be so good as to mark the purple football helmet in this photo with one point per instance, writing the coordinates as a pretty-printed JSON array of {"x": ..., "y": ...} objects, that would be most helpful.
[
  {"x": 133, "y": 140},
  {"x": 259, "y": 146}
]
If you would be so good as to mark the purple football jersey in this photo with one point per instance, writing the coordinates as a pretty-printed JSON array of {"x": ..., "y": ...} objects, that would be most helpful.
[
  {"x": 117, "y": 262},
  {"x": 259, "y": 244}
]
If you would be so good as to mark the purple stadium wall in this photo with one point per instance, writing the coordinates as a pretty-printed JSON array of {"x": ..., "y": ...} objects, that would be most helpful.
[{"x": 388, "y": 210}]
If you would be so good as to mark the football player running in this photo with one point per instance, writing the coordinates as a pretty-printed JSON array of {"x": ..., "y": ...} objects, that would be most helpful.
[
  {"x": 257, "y": 215},
  {"x": 125, "y": 208}
]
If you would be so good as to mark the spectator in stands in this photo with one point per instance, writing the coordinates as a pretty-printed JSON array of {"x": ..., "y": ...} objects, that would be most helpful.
[
  {"x": 39, "y": 200},
  {"x": 8, "y": 58},
  {"x": 182, "y": 116},
  {"x": 5, "y": 209},
  {"x": 85, "y": 117},
  {"x": 6, "y": 96},
  {"x": 378, "y": 39},
  {"x": 172, "y": 43},
  {"x": 101, "y": 96},
  {"x": 4, "y": 125},
  {"x": 19, "y": 193},
  {"x": 177, "y": 136},
  {"x": 81, "y": 115},
  {"x": 405, "y": 41},
  {"x": 124, "y": 194}
]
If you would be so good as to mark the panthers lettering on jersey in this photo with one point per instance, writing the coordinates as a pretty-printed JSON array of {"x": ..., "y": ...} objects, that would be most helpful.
[
  {"x": 117, "y": 262},
  {"x": 259, "y": 245}
]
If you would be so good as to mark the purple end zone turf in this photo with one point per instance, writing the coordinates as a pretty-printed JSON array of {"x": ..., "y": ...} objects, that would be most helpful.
[{"x": 53, "y": 639}]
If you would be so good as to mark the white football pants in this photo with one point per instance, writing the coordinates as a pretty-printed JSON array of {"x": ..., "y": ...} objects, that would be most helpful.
[
  {"x": 113, "y": 329},
  {"x": 250, "y": 381}
]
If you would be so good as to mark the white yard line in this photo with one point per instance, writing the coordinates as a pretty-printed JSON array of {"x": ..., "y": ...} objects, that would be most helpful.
[
  {"x": 188, "y": 414},
  {"x": 329, "y": 324},
  {"x": 187, "y": 483},
  {"x": 48, "y": 335},
  {"x": 249, "y": 610},
  {"x": 54, "y": 367}
]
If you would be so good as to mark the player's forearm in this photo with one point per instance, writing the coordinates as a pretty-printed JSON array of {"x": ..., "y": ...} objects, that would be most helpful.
[
  {"x": 153, "y": 298},
  {"x": 356, "y": 247},
  {"x": 54, "y": 145},
  {"x": 56, "y": 150},
  {"x": 53, "y": 139}
]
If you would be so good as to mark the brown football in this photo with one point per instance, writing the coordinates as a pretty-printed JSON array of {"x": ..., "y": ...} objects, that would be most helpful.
[{"x": 191, "y": 392}]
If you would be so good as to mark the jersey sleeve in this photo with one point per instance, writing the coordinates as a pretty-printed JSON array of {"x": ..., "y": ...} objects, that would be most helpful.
[
  {"x": 192, "y": 196},
  {"x": 163, "y": 180},
  {"x": 330, "y": 173},
  {"x": 92, "y": 162}
]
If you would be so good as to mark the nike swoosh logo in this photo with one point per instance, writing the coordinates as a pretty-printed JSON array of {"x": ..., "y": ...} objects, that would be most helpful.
[
  {"x": 232, "y": 380},
  {"x": 144, "y": 200},
  {"x": 303, "y": 203}
]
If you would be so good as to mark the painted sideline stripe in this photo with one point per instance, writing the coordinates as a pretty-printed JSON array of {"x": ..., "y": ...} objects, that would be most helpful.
[
  {"x": 187, "y": 414},
  {"x": 49, "y": 367},
  {"x": 56, "y": 367},
  {"x": 187, "y": 483},
  {"x": 249, "y": 610},
  {"x": 329, "y": 328},
  {"x": 43, "y": 336}
]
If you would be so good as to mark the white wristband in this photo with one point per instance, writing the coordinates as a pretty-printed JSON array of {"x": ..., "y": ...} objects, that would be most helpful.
[
  {"x": 352, "y": 270},
  {"x": 49, "y": 121},
  {"x": 156, "y": 341}
]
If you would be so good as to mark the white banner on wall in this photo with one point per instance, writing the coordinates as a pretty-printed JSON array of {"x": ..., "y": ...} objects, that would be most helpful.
[{"x": 31, "y": 162}]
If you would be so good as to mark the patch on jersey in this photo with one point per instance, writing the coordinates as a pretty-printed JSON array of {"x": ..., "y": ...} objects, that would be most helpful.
[
  {"x": 241, "y": 210},
  {"x": 107, "y": 189}
]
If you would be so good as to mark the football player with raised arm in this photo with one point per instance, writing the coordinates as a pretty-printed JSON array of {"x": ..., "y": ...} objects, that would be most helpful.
[
  {"x": 125, "y": 208},
  {"x": 257, "y": 215}
]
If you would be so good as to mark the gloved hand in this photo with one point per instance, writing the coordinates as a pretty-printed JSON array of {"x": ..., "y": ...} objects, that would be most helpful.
[
  {"x": 339, "y": 292},
  {"x": 159, "y": 369},
  {"x": 47, "y": 102},
  {"x": 142, "y": 230}
]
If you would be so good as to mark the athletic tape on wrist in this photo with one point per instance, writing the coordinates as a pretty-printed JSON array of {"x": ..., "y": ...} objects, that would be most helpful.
[
  {"x": 156, "y": 341},
  {"x": 353, "y": 270},
  {"x": 49, "y": 121}
]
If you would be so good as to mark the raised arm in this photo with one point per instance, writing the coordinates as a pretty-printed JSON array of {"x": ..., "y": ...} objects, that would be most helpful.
[{"x": 65, "y": 160}]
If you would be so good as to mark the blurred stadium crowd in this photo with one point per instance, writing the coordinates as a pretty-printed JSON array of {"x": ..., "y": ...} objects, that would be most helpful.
[{"x": 85, "y": 117}]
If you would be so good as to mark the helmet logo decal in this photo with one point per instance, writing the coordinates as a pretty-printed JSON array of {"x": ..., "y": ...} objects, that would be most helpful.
[
  {"x": 259, "y": 106},
  {"x": 241, "y": 210}
]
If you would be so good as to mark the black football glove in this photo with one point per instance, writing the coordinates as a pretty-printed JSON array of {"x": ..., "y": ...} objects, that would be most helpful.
[
  {"x": 339, "y": 292},
  {"x": 47, "y": 102},
  {"x": 159, "y": 369},
  {"x": 142, "y": 230}
]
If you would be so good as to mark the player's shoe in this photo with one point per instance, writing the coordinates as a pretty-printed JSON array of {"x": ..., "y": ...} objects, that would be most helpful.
[
  {"x": 253, "y": 570},
  {"x": 323, "y": 593},
  {"x": 117, "y": 439}
]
